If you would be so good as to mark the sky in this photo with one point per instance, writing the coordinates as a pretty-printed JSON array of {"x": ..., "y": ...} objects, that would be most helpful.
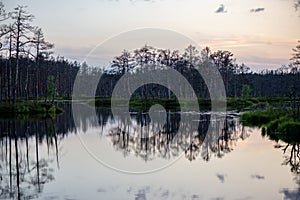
[{"x": 260, "y": 33}]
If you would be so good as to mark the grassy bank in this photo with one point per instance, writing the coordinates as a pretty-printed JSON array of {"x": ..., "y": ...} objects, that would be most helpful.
[
  {"x": 28, "y": 110},
  {"x": 239, "y": 104},
  {"x": 145, "y": 104},
  {"x": 278, "y": 123}
]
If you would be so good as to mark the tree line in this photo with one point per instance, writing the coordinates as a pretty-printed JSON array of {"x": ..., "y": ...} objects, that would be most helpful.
[
  {"x": 239, "y": 80},
  {"x": 30, "y": 71}
]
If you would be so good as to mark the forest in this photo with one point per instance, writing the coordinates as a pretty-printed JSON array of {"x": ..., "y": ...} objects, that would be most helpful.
[
  {"x": 30, "y": 71},
  {"x": 37, "y": 85}
]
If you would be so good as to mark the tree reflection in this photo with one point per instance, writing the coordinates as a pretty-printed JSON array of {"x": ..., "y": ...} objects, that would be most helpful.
[
  {"x": 290, "y": 148},
  {"x": 150, "y": 142},
  {"x": 23, "y": 171},
  {"x": 291, "y": 158}
]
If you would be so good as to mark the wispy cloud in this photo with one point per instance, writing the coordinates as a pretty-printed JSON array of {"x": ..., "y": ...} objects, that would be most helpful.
[
  {"x": 221, "y": 9},
  {"x": 257, "y": 176},
  {"x": 256, "y": 10},
  {"x": 221, "y": 177},
  {"x": 297, "y": 4}
]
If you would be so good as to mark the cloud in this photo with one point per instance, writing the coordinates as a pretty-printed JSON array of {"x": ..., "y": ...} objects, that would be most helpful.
[
  {"x": 256, "y": 10},
  {"x": 257, "y": 176},
  {"x": 297, "y": 4},
  {"x": 221, "y": 9},
  {"x": 290, "y": 194},
  {"x": 221, "y": 177}
]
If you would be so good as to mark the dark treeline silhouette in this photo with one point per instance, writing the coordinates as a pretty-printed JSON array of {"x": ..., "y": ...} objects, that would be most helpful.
[
  {"x": 29, "y": 71},
  {"x": 27, "y": 68},
  {"x": 282, "y": 82},
  {"x": 59, "y": 70},
  {"x": 238, "y": 79}
]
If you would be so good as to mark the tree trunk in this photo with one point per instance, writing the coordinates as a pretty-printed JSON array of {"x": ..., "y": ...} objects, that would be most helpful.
[
  {"x": 17, "y": 167},
  {"x": 37, "y": 82},
  {"x": 17, "y": 65},
  {"x": 37, "y": 156},
  {"x": 9, "y": 74},
  {"x": 26, "y": 83}
]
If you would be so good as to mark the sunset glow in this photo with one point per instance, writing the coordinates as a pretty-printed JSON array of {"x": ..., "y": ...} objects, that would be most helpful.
[{"x": 261, "y": 34}]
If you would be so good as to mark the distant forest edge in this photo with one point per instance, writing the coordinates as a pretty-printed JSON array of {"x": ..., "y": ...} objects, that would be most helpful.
[{"x": 29, "y": 71}]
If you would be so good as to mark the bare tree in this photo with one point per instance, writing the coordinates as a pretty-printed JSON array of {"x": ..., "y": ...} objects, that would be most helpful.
[
  {"x": 4, "y": 30},
  {"x": 296, "y": 55},
  {"x": 42, "y": 50},
  {"x": 295, "y": 67},
  {"x": 20, "y": 29},
  {"x": 3, "y": 14},
  {"x": 145, "y": 55},
  {"x": 191, "y": 54},
  {"x": 123, "y": 61},
  {"x": 205, "y": 54},
  {"x": 224, "y": 61}
]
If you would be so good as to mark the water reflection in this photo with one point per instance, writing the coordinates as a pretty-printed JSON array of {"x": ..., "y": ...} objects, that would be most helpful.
[
  {"x": 290, "y": 146},
  {"x": 163, "y": 143},
  {"x": 23, "y": 172},
  {"x": 291, "y": 154},
  {"x": 31, "y": 154},
  {"x": 136, "y": 137}
]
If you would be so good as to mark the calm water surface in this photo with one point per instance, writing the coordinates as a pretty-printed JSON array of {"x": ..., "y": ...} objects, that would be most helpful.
[{"x": 107, "y": 158}]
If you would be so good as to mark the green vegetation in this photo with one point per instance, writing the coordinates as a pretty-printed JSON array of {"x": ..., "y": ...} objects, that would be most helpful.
[
  {"x": 140, "y": 104},
  {"x": 239, "y": 104},
  {"x": 145, "y": 104},
  {"x": 23, "y": 111},
  {"x": 287, "y": 131},
  {"x": 277, "y": 123},
  {"x": 246, "y": 91},
  {"x": 261, "y": 118}
]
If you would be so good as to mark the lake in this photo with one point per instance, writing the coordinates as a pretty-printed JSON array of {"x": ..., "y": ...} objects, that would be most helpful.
[{"x": 106, "y": 157}]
